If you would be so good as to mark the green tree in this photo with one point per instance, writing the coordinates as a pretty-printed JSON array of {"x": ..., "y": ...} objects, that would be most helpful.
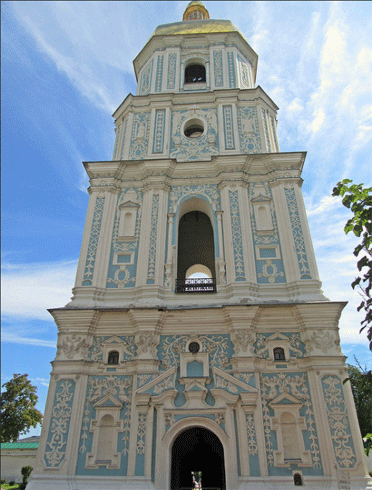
[
  {"x": 359, "y": 200},
  {"x": 18, "y": 412},
  {"x": 361, "y": 386}
]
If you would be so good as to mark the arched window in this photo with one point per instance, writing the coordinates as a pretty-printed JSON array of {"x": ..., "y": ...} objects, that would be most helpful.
[
  {"x": 113, "y": 357},
  {"x": 195, "y": 73},
  {"x": 279, "y": 354}
]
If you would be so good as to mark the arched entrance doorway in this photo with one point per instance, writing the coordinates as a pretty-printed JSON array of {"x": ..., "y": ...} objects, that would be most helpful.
[{"x": 197, "y": 449}]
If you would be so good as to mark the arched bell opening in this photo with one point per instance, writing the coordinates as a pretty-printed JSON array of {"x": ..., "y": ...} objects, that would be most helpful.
[
  {"x": 195, "y": 251},
  {"x": 195, "y": 450}
]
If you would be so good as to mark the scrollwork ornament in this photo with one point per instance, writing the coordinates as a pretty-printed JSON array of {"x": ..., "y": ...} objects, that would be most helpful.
[{"x": 73, "y": 346}]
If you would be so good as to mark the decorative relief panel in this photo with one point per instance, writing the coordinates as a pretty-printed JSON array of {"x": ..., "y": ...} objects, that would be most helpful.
[
  {"x": 140, "y": 136},
  {"x": 141, "y": 433},
  {"x": 291, "y": 389},
  {"x": 243, "y": 341},
  {"x": 159, "y": 73},
  {"x": 93, "y": 242},
  {"x": 219, "y": 348},
  {"x": 269, "y": 262},
  {"x": 158, "y": 146},
  {"x": 275, "y": 138},
  {"x": 252, "y": 440},
  {"x": 123, "y": 256},
  {"x": 101, "y": 391},
  {"x": 201, "y": 148},
  {"x": 339, "y": 423},
  {"x": 266, "y": 341},
  {"x": 72, "y": 347},
  {"x": 236, "y": 236},
  {"x": 264, "y": 120},
  {"x": 231, "y": 69},
  {"x": 153, "y": 239},
  {"x": 209, "y": 191},
  {"x": 124, "y": 138},
  {"x": 117, "y": 138},
  {"x": 248, "y": 127},
  {"x": 245, "y": 73},
  {"x": 146, "y": 79},
  {"x": 59, "y": 423},
  {"x": 127, "y": 345},
  {"x": 298, "y": 236},
  {"x": 228, "y": 127},
  {"x": 172, "y": 65},
  {"x": 218, "y": 68}
]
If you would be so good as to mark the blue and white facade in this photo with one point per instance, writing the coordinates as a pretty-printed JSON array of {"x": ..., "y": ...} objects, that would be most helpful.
[{"x": 257, "y": 361}]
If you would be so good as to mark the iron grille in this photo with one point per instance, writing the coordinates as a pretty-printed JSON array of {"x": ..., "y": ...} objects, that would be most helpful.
[{"x": 199, "y": 285}]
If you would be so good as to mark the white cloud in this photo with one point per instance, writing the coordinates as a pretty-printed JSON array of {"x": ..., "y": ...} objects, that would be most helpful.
[
  {"x": 13, "y": 337},
  {"x": 29, "y": 289}
]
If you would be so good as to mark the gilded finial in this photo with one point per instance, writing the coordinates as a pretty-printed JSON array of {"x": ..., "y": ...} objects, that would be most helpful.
[{"x": 195, "y": 11}]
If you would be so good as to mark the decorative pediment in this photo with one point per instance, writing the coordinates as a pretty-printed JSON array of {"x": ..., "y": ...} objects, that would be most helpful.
[
  {"x": 277, "y": 336},
  {"x": 128, "y": 204},
  {"x": 261, "y": 198},
  {"x": 229, "y": 383},
  {"x": 163, "y": 382},
  {"x": 108, "y": 401},
  {"x": 286, "y": 399},
  {"x": 113, "y": 340}
]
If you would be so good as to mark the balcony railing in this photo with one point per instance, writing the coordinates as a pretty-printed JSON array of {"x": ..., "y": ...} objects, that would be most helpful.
[{"x": 199, "y": 285}]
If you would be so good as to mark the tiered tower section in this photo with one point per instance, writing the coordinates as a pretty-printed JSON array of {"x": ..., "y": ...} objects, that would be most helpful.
[{"x": 198, "y": 137}]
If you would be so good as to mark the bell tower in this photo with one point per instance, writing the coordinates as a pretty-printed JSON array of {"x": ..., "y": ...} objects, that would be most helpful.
[{"x": 197, "y": 317}]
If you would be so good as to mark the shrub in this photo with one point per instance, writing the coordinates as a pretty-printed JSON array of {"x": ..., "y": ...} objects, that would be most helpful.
[{"x": 26, "y": 472}]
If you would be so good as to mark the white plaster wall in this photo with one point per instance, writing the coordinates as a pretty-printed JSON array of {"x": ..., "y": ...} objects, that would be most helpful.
[{"x": 13, "y": 460}]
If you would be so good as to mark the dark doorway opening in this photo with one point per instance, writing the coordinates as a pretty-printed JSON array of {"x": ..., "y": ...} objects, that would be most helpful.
[
  {"x": 197, "y": 449},
  {"x": 195, "y": 243}
]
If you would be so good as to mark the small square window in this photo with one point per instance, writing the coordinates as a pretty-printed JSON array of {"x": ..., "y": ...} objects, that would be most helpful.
[
  {"x": 279, "y": 354},
  {"x": 113, "y": 357}
]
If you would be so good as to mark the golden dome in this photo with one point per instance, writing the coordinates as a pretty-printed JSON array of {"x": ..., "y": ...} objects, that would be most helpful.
[{"x": 192, "y": 27}]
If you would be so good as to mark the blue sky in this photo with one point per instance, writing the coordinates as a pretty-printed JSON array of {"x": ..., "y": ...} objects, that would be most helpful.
[{"x": 66, "y": 66}]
